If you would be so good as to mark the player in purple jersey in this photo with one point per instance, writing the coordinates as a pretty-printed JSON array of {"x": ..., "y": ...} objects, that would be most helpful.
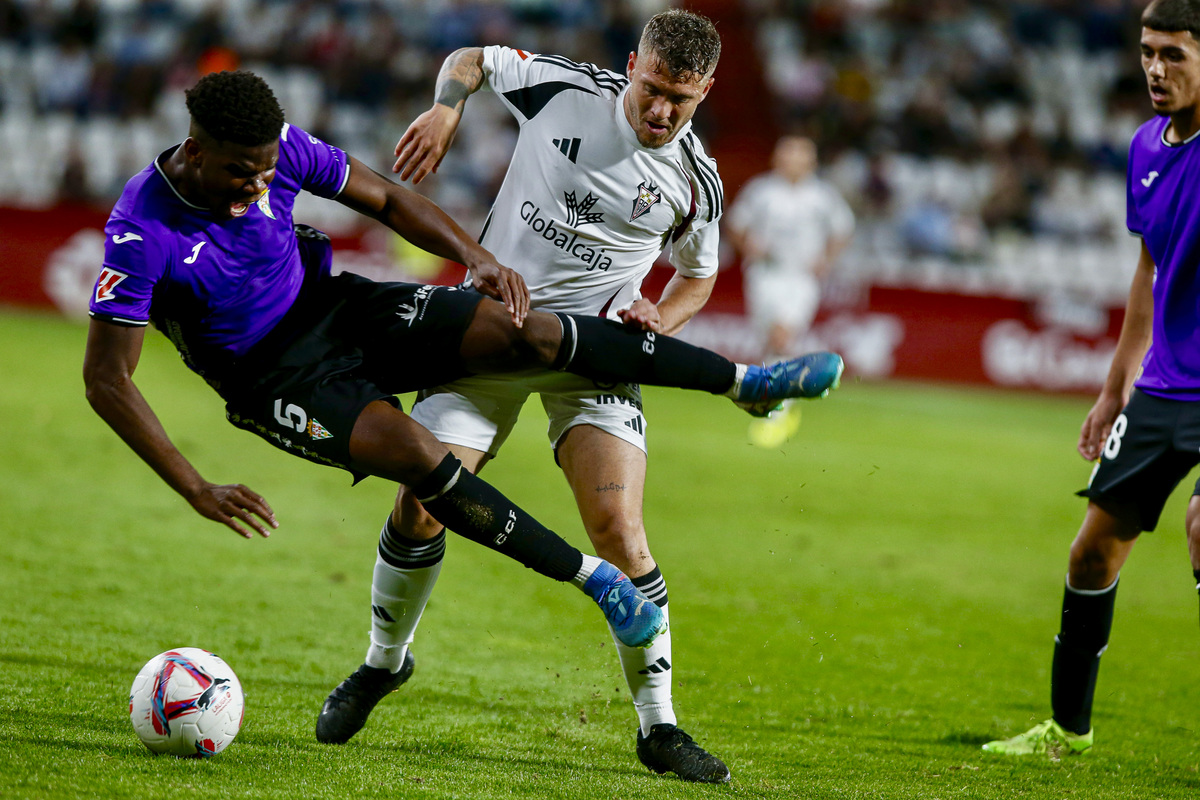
[
  {"x": 1144, "y": 430},
  {"x": 202, "y": 243}
]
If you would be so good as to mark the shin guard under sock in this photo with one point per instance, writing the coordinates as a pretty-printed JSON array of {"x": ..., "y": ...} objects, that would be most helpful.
[
  {"x": 608, "y": 351},
  {"x": 1086, "y": 623},
  {"x": 474, "y": 509}
]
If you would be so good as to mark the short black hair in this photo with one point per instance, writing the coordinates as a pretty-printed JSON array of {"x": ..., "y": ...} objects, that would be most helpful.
[
  {"x": 687, "y": 44},
  {"x": 236, "y": 107},
  {"x": 1172, "y": 16}
]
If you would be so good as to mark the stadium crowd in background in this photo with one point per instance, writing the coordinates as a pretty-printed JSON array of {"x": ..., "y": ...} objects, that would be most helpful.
[{"x": 944, "y": 123}]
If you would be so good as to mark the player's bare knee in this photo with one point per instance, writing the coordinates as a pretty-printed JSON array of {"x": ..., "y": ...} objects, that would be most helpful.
[
  {"x": 492, "y": 343},
  {"x": 620, "y": 542},
  {"x": 1090, "y": 566},
  {"x": 1192, "y": 523},
  {"x": 387, "y": 443},
  {"x": 542, "y": 335},
  {"x": 411, "y": 519}
]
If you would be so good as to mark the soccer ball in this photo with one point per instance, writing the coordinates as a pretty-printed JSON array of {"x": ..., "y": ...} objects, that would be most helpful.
[{"x": 186, "y": 702}]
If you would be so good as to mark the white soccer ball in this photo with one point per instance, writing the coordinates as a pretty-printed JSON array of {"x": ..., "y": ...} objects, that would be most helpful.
[{"x": 186, "y": 702}]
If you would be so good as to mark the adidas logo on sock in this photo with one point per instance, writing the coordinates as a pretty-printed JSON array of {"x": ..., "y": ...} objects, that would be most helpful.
[
  {"x": 382, "y": 613},
  {"x": 662, "y": 665}
]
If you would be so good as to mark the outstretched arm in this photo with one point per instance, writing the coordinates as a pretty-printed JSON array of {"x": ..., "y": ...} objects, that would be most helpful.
[
  {"x": 681, "y": 299},
  {"x": 420, "y": 221},
  {"x": 1131, "y": 348},
  {"x": 112, "y": 356},
  {"x": 424, "y": 145}
]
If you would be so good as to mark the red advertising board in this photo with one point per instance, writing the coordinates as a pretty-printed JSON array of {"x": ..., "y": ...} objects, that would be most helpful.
[{"x": 50, "y": 259}]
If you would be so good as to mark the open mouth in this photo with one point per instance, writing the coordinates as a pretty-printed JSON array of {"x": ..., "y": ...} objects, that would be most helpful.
[
  {"x": 1158, "y": 94},
  {"x": 656, "y": 129},
  {"x": 238, "y": 208}
]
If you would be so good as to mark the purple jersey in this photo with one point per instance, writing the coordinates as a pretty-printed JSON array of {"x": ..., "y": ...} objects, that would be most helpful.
[
  {"x": 1161, "y": 209},
  {"x": 214, "y": 287}
]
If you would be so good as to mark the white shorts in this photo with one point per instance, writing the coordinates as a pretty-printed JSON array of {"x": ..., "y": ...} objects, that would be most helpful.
[
  {"x": 480, "y": 412},
  {"x": 786, "y": 299}
]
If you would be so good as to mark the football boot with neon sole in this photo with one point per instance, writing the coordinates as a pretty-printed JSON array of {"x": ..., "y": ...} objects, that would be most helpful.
[
  {"x": 348, "y": 706},
  {"x": 1048, "y": 738},
  {"x": 809, "y": 376},
  {"x": 635, "y": 619},
  {"x": 670, "y": 749}
]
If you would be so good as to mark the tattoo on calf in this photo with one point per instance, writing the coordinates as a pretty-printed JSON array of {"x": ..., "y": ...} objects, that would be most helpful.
[{"x": 611, "y": 487}]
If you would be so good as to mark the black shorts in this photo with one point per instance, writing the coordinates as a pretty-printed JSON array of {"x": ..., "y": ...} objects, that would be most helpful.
[
  {"x": 1153, "y": 445},
  {"x": 347, "y": 342}
]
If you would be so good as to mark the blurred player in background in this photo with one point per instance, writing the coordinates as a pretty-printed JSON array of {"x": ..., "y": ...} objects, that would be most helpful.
[
  {"x": 606, "y": 172},
  {"x": 790, "y": 227},
  {"x": 1144, "y": 430}
]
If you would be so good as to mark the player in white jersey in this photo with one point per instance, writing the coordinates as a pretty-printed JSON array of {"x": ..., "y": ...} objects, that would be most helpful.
[
  {"x": 790, "y": 226},
  {"x": 606, "y": 174}
]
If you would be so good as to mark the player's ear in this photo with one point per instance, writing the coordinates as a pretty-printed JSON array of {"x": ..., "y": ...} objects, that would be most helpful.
[
  {"x": 707, "y": 86},
  {"x": 192, "y": 149},
  {"x": 629, "y": 66}
]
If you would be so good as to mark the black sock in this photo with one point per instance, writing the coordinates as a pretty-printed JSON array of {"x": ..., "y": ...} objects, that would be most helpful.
[
  {"x": 653, "y": 586},
  {"x": 610, "y": 352},
  {"x": 474, "y": 509},
  {"x": 1083, "y": 637},
  {"x": 1196, "y": 575},
  {"x": 403, "y": 553}
]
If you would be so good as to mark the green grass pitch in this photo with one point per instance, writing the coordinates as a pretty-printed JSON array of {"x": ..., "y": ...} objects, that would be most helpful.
[{"x": 854, "y": 614}]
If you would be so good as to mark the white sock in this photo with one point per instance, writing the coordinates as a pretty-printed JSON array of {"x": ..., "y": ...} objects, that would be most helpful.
[
  {"x": 648, "y": 674},
  {"x": 739, "y": 373},
  {"x": 399, "y": 594},
  {"x": 585, "y": 570},
  {"x": 648, "y": 669}
]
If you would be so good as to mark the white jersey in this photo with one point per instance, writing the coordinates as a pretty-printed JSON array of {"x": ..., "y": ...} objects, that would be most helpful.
[
  {"x": 585, "y": 209},
  {"x": 791, "y": 222}
]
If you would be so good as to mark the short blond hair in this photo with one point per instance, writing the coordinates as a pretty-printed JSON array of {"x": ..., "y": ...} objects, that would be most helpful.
[{"x": 686, "y": 44}]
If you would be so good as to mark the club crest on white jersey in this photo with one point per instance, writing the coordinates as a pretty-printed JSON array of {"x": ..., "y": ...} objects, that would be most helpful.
[{"x": 647, "y": 196}]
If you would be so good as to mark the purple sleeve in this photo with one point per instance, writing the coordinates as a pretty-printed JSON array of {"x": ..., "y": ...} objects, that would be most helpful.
[
  {"x": 1132, "y": 221},
  {"x": 322, "y": 169},
  {"x": 133, "y": 264}
]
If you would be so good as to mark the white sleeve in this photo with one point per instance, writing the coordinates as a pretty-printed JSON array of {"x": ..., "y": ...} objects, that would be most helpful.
[
  {"x": 695, "y": 253},
  {"x": 525, "y": 82}
]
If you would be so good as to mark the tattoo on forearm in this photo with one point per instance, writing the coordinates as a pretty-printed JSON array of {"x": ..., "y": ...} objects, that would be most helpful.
[
  {"x": 453, "y": 94},
  {"x": 611, "y": 487},
  {"x": 459, "y": 78}
]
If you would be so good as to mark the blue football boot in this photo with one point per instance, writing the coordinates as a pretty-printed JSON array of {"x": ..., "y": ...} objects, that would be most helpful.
[
  {"x": 764, "y": 389},
  {"x": 634, "y": 618}
]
